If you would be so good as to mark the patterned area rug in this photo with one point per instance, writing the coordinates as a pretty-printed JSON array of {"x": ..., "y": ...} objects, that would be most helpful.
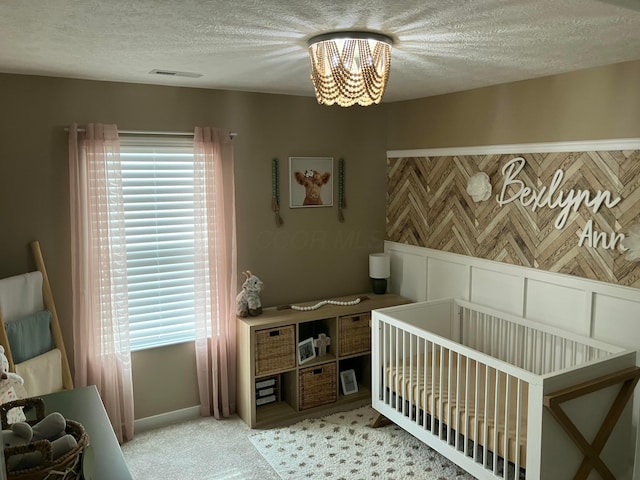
[{"x": 342, "y": 446}]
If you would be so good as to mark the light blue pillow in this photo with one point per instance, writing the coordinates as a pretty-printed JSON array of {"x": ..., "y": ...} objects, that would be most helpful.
[{"x": 30, "y": 336}]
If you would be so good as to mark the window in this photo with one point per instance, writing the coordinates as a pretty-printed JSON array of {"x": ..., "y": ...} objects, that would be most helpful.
[{"x": 157, "y": 177}]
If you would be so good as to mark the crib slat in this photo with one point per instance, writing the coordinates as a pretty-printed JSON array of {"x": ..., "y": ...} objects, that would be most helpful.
[
  {"x": 434, "y": 392},
  {"x": 536, "y": 355},
  {"x": 476, "y": 426},
  {"x": 496, "y": 416},
  {"x": 479, "y": 334},
  {"x": 411, "y": 369},
  {"x": 507, "y": 414},
  {"x": 387, "y": 357},
  {"x": 385, "y": 362},
  {"x": 457, "y": 400},
  {"x": 518, "y": 426},
  {"x": 390, "y": 353},
  {"x": 510, "y": 343},
  {"x": 483, "y": 325},
  {"x": 403, "y": 356},
  {"x": 400, "y": 364},
  {"x": 526, "y": 351},
  {"x": 521, "y": 346},
  {"x": 392, "y": 387},
  {"x": 467, "y": 387},
  {"x": 485, "y": 432},
  {"x": 440, "y": 385},
  {"x": 448, "y": 415},
  {"x": 418, "y": 370},
  {"x": 397, "y": 365},
  {"x": 503, "y": 343},
  {"x": 544, "y": 341},
  {"x": 425, "y": 383}
]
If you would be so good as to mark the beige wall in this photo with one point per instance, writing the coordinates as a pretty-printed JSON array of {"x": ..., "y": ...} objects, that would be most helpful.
[
  {"x": 312, "y": 256},
  {"x": 594, "y": 104}
]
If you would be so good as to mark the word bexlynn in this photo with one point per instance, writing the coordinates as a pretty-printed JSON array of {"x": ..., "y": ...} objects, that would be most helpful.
[{"x": 550, "y": 196}]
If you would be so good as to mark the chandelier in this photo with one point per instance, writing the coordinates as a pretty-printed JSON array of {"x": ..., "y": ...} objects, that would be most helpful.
[{"x": 350, "y": 67}]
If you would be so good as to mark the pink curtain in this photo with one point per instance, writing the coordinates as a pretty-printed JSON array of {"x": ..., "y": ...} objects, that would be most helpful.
[
  {"x": 99, "y": 272},
  {"x": 215, "y": 245}
]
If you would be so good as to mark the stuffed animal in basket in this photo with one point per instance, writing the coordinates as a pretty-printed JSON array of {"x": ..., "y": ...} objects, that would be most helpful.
[
  {"x": 248, "y": 300},
  {"x": 51, "y": 428},
  {"x": 4, "y": 368}
]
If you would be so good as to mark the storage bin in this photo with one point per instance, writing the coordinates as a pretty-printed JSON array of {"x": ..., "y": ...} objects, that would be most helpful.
[
  {"x": 275, "y": 350},
  {"x": 318, "y": 385},
  {"x": 355, "y": 334},
  {"x": 267, "y": 390}
]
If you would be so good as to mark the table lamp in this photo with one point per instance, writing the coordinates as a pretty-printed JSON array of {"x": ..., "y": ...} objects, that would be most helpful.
[{"x": 379, "y": 271}]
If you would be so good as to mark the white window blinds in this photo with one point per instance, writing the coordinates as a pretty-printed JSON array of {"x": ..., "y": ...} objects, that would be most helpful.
[{"x": 157, "y": 177}]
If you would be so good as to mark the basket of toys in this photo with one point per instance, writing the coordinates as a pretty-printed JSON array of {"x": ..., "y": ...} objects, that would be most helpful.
[{"x": 44, "y": 448}]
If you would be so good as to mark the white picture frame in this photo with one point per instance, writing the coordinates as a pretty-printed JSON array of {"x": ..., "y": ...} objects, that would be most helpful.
[
  {"x": 306, "y": 351},
  {"x": 310, "y": 182},
  {"x": 348, "y": 382}
]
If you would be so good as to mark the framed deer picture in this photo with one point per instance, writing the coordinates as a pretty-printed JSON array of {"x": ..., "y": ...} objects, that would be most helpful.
[{"x": 310, "y": 182}]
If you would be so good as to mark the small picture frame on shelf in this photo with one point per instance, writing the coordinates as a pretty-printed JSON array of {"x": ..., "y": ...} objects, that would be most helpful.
[
  {"x": 306, "y": 351},
  {"x": 348, "y": 381}
]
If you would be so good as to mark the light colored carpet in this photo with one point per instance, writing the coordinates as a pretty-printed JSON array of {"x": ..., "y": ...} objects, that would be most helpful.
[
  {"x": 343, "y": 446},
  {"x": 199, "y": 449}
]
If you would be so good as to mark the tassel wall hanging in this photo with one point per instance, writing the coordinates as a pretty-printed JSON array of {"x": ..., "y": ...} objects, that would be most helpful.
[
  {"x": 342, "y": 203},
  {"x": 275, "y": 191}
]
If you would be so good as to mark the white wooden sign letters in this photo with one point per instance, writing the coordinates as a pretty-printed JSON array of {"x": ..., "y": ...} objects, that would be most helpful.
[{"x": 552, "y": 196}]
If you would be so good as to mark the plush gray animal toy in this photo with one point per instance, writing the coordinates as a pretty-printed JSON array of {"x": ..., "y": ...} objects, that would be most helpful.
[{"x": 248, "y": 300}]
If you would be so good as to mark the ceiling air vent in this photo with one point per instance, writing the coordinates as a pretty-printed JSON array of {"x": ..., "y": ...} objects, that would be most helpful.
[{"x": 174, "y": 73}]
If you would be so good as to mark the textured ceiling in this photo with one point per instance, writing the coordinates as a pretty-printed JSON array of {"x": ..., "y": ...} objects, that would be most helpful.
[{"x": 440, "y": 46}]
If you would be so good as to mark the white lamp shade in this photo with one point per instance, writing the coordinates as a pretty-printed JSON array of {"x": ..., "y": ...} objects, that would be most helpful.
[{"x": 379, "y": 265}]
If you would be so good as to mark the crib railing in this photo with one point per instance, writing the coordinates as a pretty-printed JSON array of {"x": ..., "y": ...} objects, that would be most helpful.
[
  {"x": 474, "y": 390},
  {"x": 473, "y": 406},
  {"x": 525, "y": 345}
]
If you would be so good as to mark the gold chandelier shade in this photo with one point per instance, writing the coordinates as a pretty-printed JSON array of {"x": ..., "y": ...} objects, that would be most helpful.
[{"x": 349, "y": 68}]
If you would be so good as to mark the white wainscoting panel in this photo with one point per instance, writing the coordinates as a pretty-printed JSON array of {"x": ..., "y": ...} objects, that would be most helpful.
[
  {"x": 408, "y": 275},
  {"x": 502, "y": 291},
  {"x": 601, "y": 310},
  {"x": 558, "y": 305},
  {"x": 447, "y": 280},
  {"x": 618, "y": 320}
]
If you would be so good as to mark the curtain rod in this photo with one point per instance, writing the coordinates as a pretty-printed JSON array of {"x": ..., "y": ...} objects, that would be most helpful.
[{"x": 154, "y": 132}]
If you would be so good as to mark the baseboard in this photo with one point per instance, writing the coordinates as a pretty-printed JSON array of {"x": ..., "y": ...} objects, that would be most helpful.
[{"x": 164, "y": 419}]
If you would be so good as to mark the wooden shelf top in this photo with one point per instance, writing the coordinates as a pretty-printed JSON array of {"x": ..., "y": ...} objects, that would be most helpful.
[{"x": 273, "y": 316}]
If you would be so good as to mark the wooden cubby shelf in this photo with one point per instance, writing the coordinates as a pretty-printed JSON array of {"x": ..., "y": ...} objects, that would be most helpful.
[{"x": 268, "y": 349}]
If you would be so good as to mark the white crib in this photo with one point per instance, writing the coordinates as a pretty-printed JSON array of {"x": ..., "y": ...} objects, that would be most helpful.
[{"x": 504, "y": 397}]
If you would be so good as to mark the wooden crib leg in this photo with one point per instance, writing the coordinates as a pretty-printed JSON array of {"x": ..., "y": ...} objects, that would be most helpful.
[
  {"x": 379, "y": 421},
  {"x": 629, "y": 379}
]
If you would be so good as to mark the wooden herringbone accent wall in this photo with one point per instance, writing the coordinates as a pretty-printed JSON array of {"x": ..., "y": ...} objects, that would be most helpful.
[{"x": 428, "y": 206}]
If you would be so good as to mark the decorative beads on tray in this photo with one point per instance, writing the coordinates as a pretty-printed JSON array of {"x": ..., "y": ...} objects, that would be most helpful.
[{"x": 342, "y": 303}]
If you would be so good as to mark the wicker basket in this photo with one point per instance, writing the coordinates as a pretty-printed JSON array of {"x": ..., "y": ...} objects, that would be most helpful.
[
  {"x": 275, "y": 350},
  {"x": 318, "y": 385},
  {"x": 355, "y": 334},
  {"x": 66, "y": 467}
]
